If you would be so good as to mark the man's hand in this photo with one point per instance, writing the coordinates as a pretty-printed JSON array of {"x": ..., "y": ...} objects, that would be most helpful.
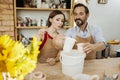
[{"x": 87, "y": 47}]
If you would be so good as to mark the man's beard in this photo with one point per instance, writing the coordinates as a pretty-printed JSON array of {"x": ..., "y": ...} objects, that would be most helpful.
[{"x": 79, "y": 22}]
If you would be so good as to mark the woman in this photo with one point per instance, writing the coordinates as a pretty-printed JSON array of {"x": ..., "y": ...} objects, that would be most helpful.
[{"x": 51, "y": 40}]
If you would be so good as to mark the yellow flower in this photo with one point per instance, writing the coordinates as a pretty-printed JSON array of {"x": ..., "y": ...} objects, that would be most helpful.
[
  {"x": 15, "y": 52},
  {"x": 5, "y": 42},
  {"x": 2, "y": 66},
  {"x": 34, "y": 49},
  {"x": 1, "y": 78},
  {"x": 16, "y": 59}
]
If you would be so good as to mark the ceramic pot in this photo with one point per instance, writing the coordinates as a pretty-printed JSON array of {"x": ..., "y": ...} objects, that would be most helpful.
[{"x": 38, "y": 76}]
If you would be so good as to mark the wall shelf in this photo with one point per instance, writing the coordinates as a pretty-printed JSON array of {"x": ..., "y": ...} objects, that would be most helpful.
[{"x": 38, "y": 14}]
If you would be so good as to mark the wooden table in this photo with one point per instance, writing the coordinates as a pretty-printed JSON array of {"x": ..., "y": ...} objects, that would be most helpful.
[
  {"x": 91, "y": 67},
  {"x": 110, "y": 66}
]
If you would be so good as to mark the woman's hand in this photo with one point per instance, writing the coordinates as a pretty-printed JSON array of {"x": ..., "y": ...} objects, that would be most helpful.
[{"x": 51, "y": 61}]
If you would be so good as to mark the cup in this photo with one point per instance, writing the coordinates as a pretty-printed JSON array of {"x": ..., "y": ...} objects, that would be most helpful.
[
  {"x": 68, "y": 44},
  {"x": 80, "y": 47}
]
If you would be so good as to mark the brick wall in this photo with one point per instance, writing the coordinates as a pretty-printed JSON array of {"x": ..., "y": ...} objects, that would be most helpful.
[{"x": 6, "y": 18}]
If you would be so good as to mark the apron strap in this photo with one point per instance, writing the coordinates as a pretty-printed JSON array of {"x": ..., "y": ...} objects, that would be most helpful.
[
  {"x": 77, "y": 31},
  {"x": 46, "y": 36}
]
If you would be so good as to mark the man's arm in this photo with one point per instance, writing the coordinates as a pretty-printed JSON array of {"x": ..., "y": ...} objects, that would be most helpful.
[{"x": 87, "y": 47}]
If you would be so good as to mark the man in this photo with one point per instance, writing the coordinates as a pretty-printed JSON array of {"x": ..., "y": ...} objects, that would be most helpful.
[{"x": 90, "y": 35}]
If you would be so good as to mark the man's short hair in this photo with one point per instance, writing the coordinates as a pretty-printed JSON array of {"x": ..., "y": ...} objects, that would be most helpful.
[{"x": 81, "y": 5}]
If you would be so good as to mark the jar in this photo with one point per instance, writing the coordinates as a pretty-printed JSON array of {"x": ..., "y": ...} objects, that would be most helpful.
[
  {"x": 43, "y": 4},
  {"x": 38, "y": 3}
]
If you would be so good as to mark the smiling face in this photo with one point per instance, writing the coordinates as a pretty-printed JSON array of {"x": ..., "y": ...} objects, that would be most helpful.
[
  {"x": 80, "y": 15},
  {"x": 57, "y": 21}
]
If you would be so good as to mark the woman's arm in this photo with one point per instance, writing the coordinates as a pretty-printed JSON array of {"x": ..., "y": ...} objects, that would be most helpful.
[
  {"x": 87, "y": 47},
  {"x": 40, "y": 34},
  {"x": 58, "y": 56}
]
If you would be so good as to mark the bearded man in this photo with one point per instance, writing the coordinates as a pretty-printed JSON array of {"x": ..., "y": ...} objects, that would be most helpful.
[{"x": 83, "y": 32}]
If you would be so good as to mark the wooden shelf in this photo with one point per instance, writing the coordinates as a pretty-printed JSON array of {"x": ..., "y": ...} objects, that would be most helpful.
[
  {"x": 42, "y": 9},
  {"x": 37, "y": 27},
  {"x": 30, "y": 27},
  {"x": 66, "y": 27}
]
